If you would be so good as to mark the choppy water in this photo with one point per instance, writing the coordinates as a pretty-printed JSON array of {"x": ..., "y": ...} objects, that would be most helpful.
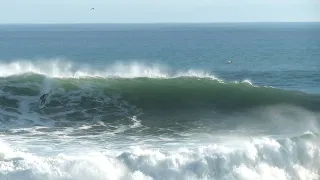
[{"x": 160, "y": 101}]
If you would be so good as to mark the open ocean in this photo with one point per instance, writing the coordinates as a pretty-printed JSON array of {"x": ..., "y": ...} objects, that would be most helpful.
[{"x": 160, "y": 101}]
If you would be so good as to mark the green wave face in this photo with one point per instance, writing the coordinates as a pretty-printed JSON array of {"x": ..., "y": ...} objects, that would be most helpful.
[
  {"x": 152, "y": 94},
  {"x": 160, "y": 104}
]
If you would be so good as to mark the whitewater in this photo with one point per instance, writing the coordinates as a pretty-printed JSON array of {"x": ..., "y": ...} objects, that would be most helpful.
[{"x": 136, "y": 121}]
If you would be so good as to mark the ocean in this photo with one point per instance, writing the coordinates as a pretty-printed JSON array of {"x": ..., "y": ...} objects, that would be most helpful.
[{"x": 228, "y": 101}]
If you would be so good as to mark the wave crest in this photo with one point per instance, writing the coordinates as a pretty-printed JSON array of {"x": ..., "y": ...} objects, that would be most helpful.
[{"x": 57, "y": 68}]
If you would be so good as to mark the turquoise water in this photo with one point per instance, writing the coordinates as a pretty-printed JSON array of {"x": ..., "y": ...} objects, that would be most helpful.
[{"x": 160, "y": 101}]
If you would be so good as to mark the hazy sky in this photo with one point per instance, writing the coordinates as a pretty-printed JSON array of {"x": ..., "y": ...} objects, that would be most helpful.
[{"x": 148, "y": 11}]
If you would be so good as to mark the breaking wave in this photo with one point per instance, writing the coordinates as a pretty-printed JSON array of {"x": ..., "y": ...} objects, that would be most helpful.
[
  {"x": 132, "y": 90},
  {"x": 159, "y": 124}
]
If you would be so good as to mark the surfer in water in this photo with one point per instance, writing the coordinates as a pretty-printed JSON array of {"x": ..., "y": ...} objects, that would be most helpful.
[{"x": 43, "y": 98}]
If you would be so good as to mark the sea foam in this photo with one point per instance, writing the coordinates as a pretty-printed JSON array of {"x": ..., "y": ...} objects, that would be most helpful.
[
  {"x": 58, "y": 68},
  {"x": 260, "y": 158}
]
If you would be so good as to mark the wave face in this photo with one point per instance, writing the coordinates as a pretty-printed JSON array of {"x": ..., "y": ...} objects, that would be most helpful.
[
  {"x": 126, "y": 91},
  {"x": 150, "y": 93}
]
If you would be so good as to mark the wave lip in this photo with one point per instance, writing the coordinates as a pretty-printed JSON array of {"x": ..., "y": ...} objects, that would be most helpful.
[{"x": 63, "y": 69}]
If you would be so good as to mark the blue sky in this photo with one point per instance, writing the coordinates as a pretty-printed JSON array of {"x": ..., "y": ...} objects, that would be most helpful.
[{"x": 148, "y": 11}]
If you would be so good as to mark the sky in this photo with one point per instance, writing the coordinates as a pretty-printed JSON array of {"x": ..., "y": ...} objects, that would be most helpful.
[{"x": 158, "y": 11}]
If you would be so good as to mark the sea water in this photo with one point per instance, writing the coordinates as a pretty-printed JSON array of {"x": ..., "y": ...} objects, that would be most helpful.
[{"x": 160, "y": 101}]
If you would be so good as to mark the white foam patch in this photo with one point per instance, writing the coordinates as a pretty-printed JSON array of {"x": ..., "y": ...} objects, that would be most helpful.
[
  {"x": 136, "y": 122},
  {"x": 65, "y": 69},
  {"x": 247, "y": 81},
  {"x": 5, "y": 151}
]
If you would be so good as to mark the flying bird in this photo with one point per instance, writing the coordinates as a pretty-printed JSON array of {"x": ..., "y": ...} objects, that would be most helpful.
[{"x": 92, "y": 8}]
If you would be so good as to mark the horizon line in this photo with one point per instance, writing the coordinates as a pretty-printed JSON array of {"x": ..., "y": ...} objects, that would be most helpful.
[{"x": 145, "y": 23}]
